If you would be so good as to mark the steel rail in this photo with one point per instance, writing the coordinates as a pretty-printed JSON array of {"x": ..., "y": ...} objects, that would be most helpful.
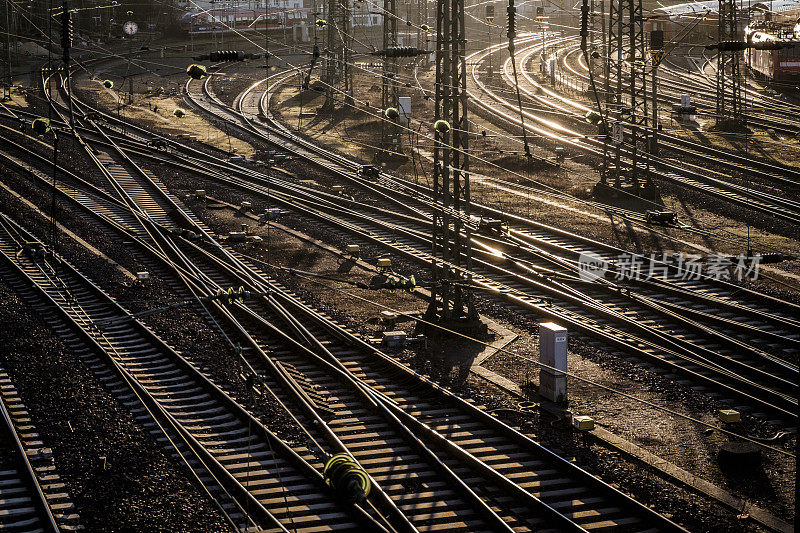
[
  {"x": 731, "y": 160},
  {"x": 203, "y": 394},
  {"x": 690, "y": 178},
  {"x": 776, "y": 172},
  {"x": 28, "y": 509}
]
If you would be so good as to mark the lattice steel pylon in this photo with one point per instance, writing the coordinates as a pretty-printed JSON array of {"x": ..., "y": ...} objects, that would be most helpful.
[
  {"x": 626, "y": 91},
  {"x": 450, "y": 298},
  {"x": 729, "y": 81},
  {"x": 389, "y": 78},
  {"x": 9, "y": 35}
]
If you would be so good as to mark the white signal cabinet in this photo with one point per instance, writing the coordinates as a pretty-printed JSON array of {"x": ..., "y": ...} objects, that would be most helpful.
[{"x": 553, "y": 353}]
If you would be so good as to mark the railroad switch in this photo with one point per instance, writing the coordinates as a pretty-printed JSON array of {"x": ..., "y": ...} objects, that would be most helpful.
[
  {"x": 34, "y": 249},
  {"x": 370, "y": 172},
  {"x": 729, "y": 416},
  {"x": 662, "y": 217},
  {"x": 582, "y": 422},
  {"x": 394, "y": 339},
  {"x": 492, "y": 226},
  {"x": 245, "y": 206},
  {"x": 269, "y": 214},
  {"x": 242, "y": 236},
  {"x": 384, "y": 264},
  {"x": 388, "y": 318},
  {"x": 392, "y": 283},
  {"x": 161, "y": 144}
]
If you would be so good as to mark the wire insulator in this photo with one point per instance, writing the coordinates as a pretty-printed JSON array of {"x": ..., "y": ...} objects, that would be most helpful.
[
  {"x": 227, "y": 55},
  {"x": 66, "y": 33},
  {"x": 400, "y": 51},
  {"x": 512, "y": 25}
]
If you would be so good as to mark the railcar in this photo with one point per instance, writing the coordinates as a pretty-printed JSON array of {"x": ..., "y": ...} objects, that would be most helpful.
[{"x": 782, "y": 65}]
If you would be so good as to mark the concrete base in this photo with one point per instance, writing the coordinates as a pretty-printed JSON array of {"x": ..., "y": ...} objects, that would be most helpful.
[{"x": 553, "y": 388}]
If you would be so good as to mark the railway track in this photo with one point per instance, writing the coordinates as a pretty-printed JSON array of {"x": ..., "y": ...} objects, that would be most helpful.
[
  {"x": 534, "y": 300},
  {"x": 768, "y": 204},
  {"x": 538, "y": 298},
  {"x": 773, "y": 107},
  {"x": 256, "y": 478},
  {"x": 737, "y": 164},
  {"x": 519, "y": 483},
  {"x": 763, "y": 115},
  {"x": 32, "y": 496},
  {"x": 733, "y": 162},
  {"x": 554, "y": 478},
  {"x": 430, "y": 502}
]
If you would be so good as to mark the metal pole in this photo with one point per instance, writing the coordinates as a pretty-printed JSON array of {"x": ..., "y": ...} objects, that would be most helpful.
[
  {"x": 266, "y": 57},
  {"x": 9, "y": 80},
  {"x": 130, "y": 74},
  {"x": 604, "y": 36},
  {"x": 654, "y": 136},
  {"x": 66, "y": 44},
  {"x": 389, "y": 79},
  {"x": 334, "y": 50},
  {"x": 347, "y": 72}
]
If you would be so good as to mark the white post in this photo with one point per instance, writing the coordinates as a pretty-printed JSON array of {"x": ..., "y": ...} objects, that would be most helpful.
[{"x": 553, "y": 353}]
